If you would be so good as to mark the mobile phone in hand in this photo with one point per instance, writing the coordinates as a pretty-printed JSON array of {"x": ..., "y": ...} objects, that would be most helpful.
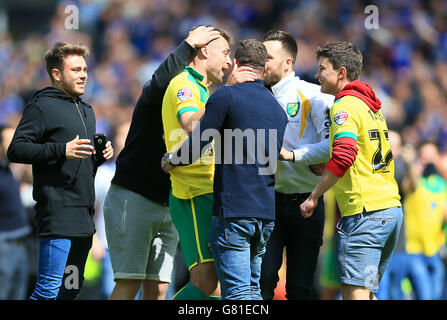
[{"x": 99, "y": 141}]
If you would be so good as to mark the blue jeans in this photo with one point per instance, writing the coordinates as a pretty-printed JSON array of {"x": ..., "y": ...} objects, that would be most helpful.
[
  {"x": 107, "y": 283},
  {"x": 302, "y": 238},
  {"x": 364, "y": 245},
  {"x": 61, "y": 268},
  {"x": 391, "y": 285},
  {"x": 427, "y": 276},
  {"x": 238, "y": 245},
  {"x": 14, "y": 273}
]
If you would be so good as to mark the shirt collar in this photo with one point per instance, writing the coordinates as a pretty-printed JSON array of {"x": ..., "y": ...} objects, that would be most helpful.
[
  {"x": 194, "y": 73},
  {"x": 282, "y": 84}
]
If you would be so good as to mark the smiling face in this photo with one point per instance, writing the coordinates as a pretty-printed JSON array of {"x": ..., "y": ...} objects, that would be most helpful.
[
  {"x": 339, "y": 63},
  {"x": 73, "y": 78},
  {"x": 275, "y": 64},
  {"x": 219, "y": 61},
  {"x": 328, "y": 76}
]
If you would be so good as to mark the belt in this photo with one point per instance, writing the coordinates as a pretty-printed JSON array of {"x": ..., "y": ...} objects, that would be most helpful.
[{"x": 291, "y": 196}]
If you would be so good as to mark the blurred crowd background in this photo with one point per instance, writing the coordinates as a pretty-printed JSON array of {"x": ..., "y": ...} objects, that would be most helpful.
[{"x": 405, "y": 61}]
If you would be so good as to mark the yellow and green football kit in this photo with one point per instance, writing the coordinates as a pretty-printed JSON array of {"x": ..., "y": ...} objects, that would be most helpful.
[
  {"x": 186, "y": 92},
  {"x": 424, "y": 213},
  {"x": 369, "y": 183},
  {"x": 191, "y": 199}
]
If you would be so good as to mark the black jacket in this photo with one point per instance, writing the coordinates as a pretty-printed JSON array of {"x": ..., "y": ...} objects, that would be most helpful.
[
  {"x": 138, "y": 164},
  {"x": 63, "y": 188}
]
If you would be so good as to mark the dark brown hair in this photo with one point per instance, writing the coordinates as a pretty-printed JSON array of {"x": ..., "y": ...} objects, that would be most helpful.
[
  {"x": 252, "y": 53},
  {"x": 54, "y": 58},
  {"x": 343, "y": 54},
  {"x": 288, "y": 42}
]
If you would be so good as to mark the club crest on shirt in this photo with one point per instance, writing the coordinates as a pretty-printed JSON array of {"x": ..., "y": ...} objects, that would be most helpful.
[
  {"x": 340, "y": 117},
  {"x": 184, "y": 94},
  {"x": 293, "y": 108}
]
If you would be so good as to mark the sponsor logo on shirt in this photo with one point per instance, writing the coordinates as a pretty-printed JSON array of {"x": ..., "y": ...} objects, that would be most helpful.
[
  {"x": 184, "y": 94},
  {"x": 340, "y": 117}
]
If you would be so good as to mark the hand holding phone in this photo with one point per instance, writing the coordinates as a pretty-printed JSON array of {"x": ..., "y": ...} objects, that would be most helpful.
[{"x": 99, "y": 140}]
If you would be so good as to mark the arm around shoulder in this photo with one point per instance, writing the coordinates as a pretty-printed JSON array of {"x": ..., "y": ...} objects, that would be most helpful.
[
  {"x": 154, "y": 89},
  {"x": 173, "y": 65}
]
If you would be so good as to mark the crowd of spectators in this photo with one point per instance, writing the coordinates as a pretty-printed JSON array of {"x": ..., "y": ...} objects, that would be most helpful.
[{"x": 405, "y": 58}]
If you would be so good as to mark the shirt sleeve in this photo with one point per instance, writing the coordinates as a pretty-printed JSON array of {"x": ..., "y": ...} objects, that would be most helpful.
[
  {"x": 28, "y": 145},
  {"x": 186, "y": 98},
  {"x": 344, "y": 122},
  {"x": 344, "y": 152},
  {"x": 208, "y": 129},
  {"x": 343, "y": 138},
  {"x": 317, "y": 152}
]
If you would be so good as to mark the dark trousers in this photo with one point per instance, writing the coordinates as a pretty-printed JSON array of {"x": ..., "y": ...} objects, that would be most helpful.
[{"x": 302, "y": 239}]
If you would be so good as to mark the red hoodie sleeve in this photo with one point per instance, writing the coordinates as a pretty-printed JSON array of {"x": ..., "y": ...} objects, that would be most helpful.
[{"x": 344, "y": 152}]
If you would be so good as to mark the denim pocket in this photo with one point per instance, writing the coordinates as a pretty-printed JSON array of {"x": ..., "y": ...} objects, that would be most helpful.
[
  {"x": 340, "y": 225},
  {"x": 270, "y": 225},
  {"x": 382, "y": 218},
  {"x": 266, "y": 232},
  {"x": 347, "y": 225},
  {"x": 383, "y": 224},
  {"x": 237, "y": 233}
]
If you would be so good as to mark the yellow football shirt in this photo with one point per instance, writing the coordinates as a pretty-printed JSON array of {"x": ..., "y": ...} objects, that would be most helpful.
[
  {"x": 186, "y": 92},
  {"x": 424, "y": 213},
  {"x": 369, "y": 183}
]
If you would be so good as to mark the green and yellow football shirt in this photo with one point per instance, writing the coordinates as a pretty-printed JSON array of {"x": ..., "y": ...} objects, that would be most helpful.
[
  {"x": 369, "y": 183},
  {"x": 424, "y": 215},
  {"x": 186, "y": 92}
]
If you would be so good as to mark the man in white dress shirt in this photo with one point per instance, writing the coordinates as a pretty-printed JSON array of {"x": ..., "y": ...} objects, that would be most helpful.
[{"x": 303, "y": 159}]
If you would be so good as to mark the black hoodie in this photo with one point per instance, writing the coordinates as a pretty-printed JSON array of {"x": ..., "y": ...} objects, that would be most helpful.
[
  {"x": 63, "y": 188},
  {"x": 138, "y": 164}
]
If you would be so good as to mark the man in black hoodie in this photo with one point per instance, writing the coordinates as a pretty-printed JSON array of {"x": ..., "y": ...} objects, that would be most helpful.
[{"x": 54, "y": 136}]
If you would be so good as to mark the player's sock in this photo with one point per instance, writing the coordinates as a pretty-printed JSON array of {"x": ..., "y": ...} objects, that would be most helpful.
[
  {"x": 190, "y": 292},
  {"x": 214, "y": 298}
]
